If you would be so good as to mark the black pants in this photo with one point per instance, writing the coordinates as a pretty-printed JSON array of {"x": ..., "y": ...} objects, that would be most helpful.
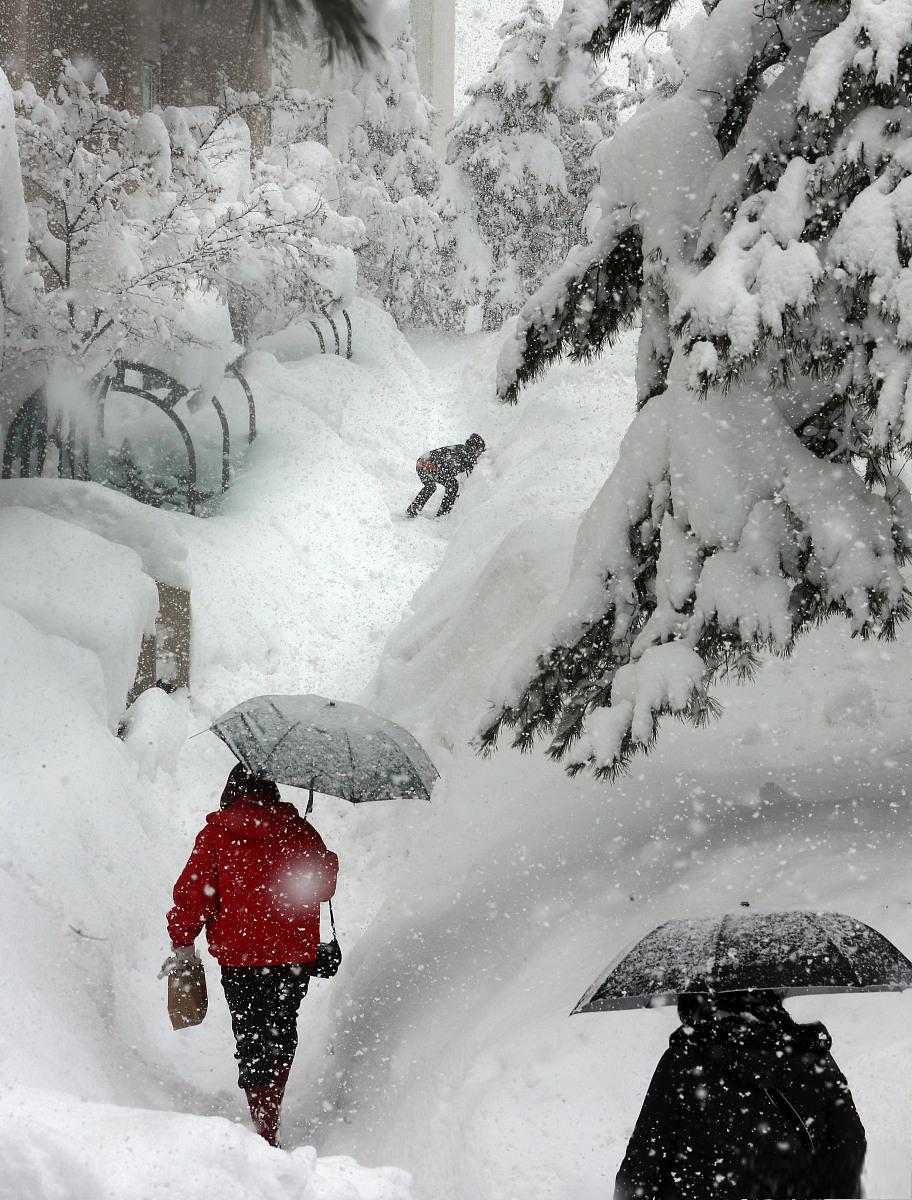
[
  {"x": 264, "y": 1003},
  {"x": 430, "y": 479}
]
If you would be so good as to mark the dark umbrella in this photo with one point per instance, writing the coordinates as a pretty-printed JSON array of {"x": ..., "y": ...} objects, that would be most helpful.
[
  {"x": 796, "y": 953},
  {"x": 328, "y": 746}
]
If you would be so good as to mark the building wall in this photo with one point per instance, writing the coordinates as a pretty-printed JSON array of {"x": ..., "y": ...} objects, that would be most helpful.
[
  {"x": 434, "y": 30},
  {"x": 196, "y": 50},
  {"x": 203, "y": 50}
]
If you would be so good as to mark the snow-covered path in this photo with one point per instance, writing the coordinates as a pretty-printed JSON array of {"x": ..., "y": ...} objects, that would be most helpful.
[
  {"x": 453, "y": 1049},
  {"x": 471, "y": 925},
  {"x": 296, "y": 582}
]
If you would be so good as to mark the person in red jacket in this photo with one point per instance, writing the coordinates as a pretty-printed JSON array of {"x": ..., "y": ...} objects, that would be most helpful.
[{"x": 255, "y": 879}]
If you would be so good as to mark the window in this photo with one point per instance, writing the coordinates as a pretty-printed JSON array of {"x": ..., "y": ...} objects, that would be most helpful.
[{"x": 151, "y": 80}]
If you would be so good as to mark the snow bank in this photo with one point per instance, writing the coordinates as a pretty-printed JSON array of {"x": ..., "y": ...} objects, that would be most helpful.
[
  {"x": 76, "y": 585},
  {"x": 76, "y": 860},
  {"x": 526, "y": 498},
  {"x": 296, "y": 582},
  {"x": 59, "y": 1149},
  {"x": 151, "y": 533},
  {"x": 154, "y": 731},
  {"x": 506, "y": 896}
]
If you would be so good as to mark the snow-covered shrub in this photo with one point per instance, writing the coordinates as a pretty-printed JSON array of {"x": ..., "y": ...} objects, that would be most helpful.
[
  {"x": 756, "y": 217},
  {"x": 128, "y": 213},
  {"x": 377, "y": 124},
  {"x": 520, "y": 170}
]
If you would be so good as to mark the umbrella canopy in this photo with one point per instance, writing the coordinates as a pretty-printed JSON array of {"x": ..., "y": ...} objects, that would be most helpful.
[
  {"x": 338, "y": 749},
  {"x": 792, "y": 952}
]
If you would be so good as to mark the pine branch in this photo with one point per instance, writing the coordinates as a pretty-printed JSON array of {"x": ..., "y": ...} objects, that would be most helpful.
[
  {"x": 597, "y": 306},
  {"x": 627, "y": 16},
  {"x": 344, "y": 22},
  {"x": 735, "y": 118}
]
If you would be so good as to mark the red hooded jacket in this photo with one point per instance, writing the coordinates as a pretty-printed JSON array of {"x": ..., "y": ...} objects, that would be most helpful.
[{"x": 256, "y": 877}]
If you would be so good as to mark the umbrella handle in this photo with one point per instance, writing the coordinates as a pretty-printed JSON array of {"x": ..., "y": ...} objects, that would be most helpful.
[{"x": 310, "y": 798}]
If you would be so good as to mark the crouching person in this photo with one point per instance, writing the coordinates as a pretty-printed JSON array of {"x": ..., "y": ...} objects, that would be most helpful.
[
  {"x": 255, "y": 879},
  {"x": 442, "y": 466}
]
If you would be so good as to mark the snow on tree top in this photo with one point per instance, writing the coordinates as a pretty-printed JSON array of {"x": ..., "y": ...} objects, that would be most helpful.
[{"x": 757, "y": 217}]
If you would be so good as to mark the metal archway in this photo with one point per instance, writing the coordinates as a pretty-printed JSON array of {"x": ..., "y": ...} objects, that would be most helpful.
[
  {"x": 154, "y": 377},
  {"x": 235, "y": 370},
  {"x": 328, "y": 318},
  {"x": 30, "y": 432}
]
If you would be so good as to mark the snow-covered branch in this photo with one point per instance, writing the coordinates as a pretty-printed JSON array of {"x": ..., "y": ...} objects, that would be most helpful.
[
  {"x": 759, "y": 215},
  {"x": 125, "y": 211}
]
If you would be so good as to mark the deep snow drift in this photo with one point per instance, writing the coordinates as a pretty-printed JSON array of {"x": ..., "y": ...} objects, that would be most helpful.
[
  {"x": 470, "y": 925},
  {"x": 456, "y": 1056},
  {"x": 295, "y": 584}
]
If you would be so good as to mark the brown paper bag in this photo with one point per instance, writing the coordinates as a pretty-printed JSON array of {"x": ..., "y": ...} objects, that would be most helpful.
[{"x": 188, "y": 1000}]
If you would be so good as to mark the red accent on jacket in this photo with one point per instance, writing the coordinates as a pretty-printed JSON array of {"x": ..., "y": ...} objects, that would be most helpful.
[{"x": 255, "y": 878}]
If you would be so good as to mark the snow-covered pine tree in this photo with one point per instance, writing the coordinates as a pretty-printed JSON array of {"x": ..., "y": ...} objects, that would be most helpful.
[
  {"x": 759, "y": 220},
  {"x": 524, "y": 166},
  {"x": 376, "y": 122}
]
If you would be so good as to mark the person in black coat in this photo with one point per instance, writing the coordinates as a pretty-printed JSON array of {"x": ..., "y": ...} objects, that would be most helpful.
[
  {"x": 441, "y": 466},
  {"x": 745, "y": 1104}
]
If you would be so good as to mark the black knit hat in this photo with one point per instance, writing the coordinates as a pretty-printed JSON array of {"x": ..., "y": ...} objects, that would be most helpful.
[
  {"x": 476, "y": 443},
  {"x": 241, "y": 782}
]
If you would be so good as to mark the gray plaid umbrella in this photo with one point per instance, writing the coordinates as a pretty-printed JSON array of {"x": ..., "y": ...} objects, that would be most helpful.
[
  {"x": 791, "y": 952},
  {"x": 328, "y": 746}
]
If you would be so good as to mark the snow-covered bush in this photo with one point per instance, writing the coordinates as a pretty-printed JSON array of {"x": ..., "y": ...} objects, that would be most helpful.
[
  {"x": 377, "y": 124},
  {"x": 520, "y": 170},
  {"x": 756, "y": 217},
  {"x": 128, "y": 213}
]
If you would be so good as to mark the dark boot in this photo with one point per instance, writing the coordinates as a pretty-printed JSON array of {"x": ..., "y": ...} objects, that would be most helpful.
[{"x": 265, "y": 1110}]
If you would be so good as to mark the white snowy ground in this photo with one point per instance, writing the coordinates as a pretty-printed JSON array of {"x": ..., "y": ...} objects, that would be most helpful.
[{"x": 470, "y": 925}]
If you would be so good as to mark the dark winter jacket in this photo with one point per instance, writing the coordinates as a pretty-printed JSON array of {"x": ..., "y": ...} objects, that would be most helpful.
[
  {"x": 447, "y": 461},
  {"x": 739, "y": 1109},
  {"x": 255, "y": 879}
]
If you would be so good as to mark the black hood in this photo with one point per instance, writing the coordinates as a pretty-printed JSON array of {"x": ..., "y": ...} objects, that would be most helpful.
[{"x": 760, "y": 1052}]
